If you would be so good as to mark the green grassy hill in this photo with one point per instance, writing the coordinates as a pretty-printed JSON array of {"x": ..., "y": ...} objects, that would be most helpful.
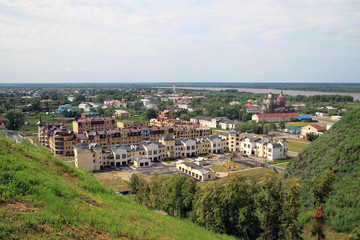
[
  {"x": 339, "y": 150},
  {"x": 43, "y": 197}
]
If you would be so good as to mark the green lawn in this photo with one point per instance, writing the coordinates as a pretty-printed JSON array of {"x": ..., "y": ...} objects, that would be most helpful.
[
  {"x": 301, "y": 124},
  {"x": 282, "y": 165},
  {"x": 296, "y": 145},
  {"x": 221, "y": 168},
  {"x": 254, "y": 172}
]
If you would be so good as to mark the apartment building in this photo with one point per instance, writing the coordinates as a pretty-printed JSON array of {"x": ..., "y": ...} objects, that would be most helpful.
[
  {"x": 232, "y": 139},
  {"x": 207, "y": 121},
  {"x": 265, "y": 148},
  {"x": 189, "y": 147},
  {"x": 61, "y": 142},
  {"x": 95, "y": 157},
  {"x": 254, "y": 146},
  {"x": 44, "y": 130},
  {"x": 93, "y": 124},
  {"x": 191, "y": 132}
]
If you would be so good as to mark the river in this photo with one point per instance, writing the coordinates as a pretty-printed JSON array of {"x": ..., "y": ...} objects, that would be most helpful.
[{"x": 356, "y": 96}]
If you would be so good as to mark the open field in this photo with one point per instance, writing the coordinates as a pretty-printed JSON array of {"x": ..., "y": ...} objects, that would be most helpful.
[
  {"x": 297, "y": 145},
  {"x": 253, "y": 172},
  {"x": 302, "y": 124},
  {"x": 113, "y": 179}
]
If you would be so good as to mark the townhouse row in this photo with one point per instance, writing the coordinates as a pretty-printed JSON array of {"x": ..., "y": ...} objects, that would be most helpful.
[
  {"x": 61, "y": 141},
  {"x": 95, "y": 157},
  {"x": 255, "y": 146}
]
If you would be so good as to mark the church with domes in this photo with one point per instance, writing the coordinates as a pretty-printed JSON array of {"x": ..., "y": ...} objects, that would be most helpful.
[{"x": 272, "y": 105}]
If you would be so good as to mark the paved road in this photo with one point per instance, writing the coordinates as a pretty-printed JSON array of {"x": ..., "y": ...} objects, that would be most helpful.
[{"x": 13, "y": 135}]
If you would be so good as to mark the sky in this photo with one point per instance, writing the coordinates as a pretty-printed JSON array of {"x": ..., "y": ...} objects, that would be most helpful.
[{"x": 79, "y": 41}]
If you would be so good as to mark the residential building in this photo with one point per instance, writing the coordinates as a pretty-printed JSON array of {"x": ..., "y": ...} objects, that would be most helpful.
[
  {"x": 293, "y": 129},
  {"x": 253, "y": 109},
  {"x": 93, "y": 124},
  {"x": 196, "y": 171},
  {"x": 228, "y": 124},
  {"x": 335, "y": 118},
  {"x": 122, "y": 114},
  {"x": 62, "y": 142},
  {"x": 207, "y": 121},
  {"x": 232, "y": 140},
  {"x": 274, "y": 117},
  {"x": 142, "y": 162},
  {"x": 316, "y": 129}
]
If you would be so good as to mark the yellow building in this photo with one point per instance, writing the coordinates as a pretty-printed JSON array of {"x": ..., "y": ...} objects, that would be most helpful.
[
  {"x": 93, "y": 124},
  {"x": 196, "y": 171},
  {"x": 232, "y": 140},
  {"x": 142, "y": 162},
  {"x": 315, "y": 129},
  {"x": 87, "y": 157},
  {"x": 62, "y": 142}
]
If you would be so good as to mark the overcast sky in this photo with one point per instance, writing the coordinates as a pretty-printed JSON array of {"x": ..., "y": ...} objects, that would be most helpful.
[{"x": 179, "y": 41}]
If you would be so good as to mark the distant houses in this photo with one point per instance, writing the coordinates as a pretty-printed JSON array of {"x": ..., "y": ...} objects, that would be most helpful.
[{"x": 223, "y": 122}]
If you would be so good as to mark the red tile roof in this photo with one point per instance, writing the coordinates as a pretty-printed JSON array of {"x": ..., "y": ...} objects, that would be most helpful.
[
  {"x": 277, "y": 115},
  {"x": 319, "y": 128}
]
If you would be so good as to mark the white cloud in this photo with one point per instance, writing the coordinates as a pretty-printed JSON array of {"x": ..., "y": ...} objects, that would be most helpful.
[{"x": 171, "y": 38}]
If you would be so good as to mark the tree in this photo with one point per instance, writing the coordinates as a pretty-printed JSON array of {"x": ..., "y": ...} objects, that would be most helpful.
[
  {"x": 291, "y": 207},
  {"x": 282, "y": 125},
  {"x": 239, "y": 209},
  {"x": 15, "y": 119},
  {"x": 207, "y": 207},
  {"x": 140, "y": 188},
  {"x": 151, "y": 113},
  {"x": 323, "y": 186},
  {"x": 278, "y": 205},
  {"x": 266, "y": 128},
  {"x": 155, "y": 196},
  {"x": 178, "y": 193},
  {"x": 311, "y": 136}
]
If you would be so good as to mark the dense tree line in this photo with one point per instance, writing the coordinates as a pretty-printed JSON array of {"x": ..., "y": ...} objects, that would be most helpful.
[{"x": 248, "y": 209}]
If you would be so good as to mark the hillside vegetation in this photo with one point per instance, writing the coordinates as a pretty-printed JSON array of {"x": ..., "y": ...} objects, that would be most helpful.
[
  {"x": 43, "y": 197},
  {"x": 338, "y": 150}
]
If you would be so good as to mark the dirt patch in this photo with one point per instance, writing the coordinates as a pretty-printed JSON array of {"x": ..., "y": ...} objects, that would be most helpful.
[
  {"x": 222, "y": 174},
  {"x": 161, "y": 212},
  {"x": 88, "y": 233},
  {"x": 15, "y": 205}
]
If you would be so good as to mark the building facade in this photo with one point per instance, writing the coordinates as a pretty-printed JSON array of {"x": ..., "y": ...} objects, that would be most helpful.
[
  {"x": 93, "y": 124},
  {"x": 196, "y": 171},
  {"x": 274, "y": 117}
]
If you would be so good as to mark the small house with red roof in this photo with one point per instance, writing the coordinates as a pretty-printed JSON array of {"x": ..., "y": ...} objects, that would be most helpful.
[
  {"x": 2, "y": 124},
  {"x": 316, "y": 129}
]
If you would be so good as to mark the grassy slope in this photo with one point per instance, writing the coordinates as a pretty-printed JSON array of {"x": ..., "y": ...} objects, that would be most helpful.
[
  {"x": 339, "y": 150},
  {"x": 44, "y": 197}
]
